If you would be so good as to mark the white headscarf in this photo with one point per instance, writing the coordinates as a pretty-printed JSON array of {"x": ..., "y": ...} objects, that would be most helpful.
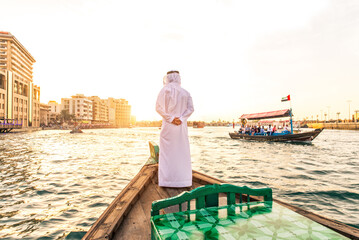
[
  {"x": 172, "y": 83},
  {"x": 173, "y": 77}
]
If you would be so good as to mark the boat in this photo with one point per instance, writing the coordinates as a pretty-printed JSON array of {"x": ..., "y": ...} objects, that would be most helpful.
[
  {"x": 284, "y": 136},
  {"x": 76, "y": 130},
  {"x": 198, "y": 124},
  {"x": 129, "y": 216}
]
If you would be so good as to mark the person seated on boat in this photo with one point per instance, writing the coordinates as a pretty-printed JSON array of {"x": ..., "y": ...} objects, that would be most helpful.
[
  {"x": 269, "y": 130},
  {"x": 248, "y": 130},
  {"x": 286, "y": 129},
  {"x": 258, "y": 129},
  {"x": 252, "y": 131},
  {"x": 261, "y": 131},
  {"x": 274, "y": 129}
]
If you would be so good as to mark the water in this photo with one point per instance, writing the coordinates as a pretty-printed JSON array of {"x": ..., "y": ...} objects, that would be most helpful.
[{"x": 53, "y": 183}]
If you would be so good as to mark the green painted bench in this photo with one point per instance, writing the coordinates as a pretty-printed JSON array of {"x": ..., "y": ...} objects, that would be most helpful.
[
  {"x": 193, "y": 223},
  {"x": 239, "y": 219}
]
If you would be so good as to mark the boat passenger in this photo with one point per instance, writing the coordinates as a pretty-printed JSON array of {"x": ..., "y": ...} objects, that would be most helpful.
[
  {"x": 248, "y": 130},
  {"x": 175, "y": 106},
  {"x": 274, "y": 129},
  {"x": 262, "y": 130},
  {"x": 269, "y": 130}
]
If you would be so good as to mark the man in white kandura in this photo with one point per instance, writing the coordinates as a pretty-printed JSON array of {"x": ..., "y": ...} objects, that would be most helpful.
[{"x": 175, "y": 106}]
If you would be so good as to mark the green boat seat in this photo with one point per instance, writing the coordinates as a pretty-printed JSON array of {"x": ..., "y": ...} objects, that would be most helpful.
[{"x": 244, "y": 218}]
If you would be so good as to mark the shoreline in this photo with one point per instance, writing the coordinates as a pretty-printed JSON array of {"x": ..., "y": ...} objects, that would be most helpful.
[{"x": 338, "y": 126}]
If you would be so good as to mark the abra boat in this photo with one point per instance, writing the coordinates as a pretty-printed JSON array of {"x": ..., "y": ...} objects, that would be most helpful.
[
  {"x": 130, "y": 216},
  {"x": 284, "y": 136}
]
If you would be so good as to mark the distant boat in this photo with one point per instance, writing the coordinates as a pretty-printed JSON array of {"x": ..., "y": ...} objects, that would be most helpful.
[
  {"x": 198, "y": 124},
  {"x": 76, "y": 130},
  {"x": 284, "y": 136}
]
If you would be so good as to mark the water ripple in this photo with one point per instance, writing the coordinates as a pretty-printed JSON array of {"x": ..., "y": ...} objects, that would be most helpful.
[{"x": 53, "y": 183}]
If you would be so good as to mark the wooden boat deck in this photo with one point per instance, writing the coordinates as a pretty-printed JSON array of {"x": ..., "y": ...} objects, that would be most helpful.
[{"x": 128, "y": 216}]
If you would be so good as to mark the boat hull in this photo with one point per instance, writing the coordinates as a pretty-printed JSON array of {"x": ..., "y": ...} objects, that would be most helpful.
[{"x": 296, "y": 137}]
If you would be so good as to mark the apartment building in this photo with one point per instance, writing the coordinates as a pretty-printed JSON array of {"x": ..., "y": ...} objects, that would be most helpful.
[
  {"x": 54, "y": 107},
  {"x": 19, "y": 97},
  {"x": 80, "y": 106},
  {"x": 99, "y": 110},
  {"x": 119, "y": 112}
]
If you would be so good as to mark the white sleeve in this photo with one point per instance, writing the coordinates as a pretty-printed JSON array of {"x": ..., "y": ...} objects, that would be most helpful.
[
  {"x": 161, "y": 106},
  {"x": 189, "y": 109}
]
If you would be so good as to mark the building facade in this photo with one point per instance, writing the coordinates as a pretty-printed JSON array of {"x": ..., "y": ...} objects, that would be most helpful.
[
  {"x": 119, "y": 112},
  {"x": 19, "y": 97},
  {"x": 99, "y": 110},
  {"x": 54, "y": 107},
  {"x": 79, "y": 106},
  {"x": 44, "y": 114}
]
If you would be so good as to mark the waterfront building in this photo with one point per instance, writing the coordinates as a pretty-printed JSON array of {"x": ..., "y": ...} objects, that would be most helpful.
[
  {"x": 79, "y": 106},
  {"x": 44, "y": 114},
  {"x": 54, "y": 107},
  {"x": 19, "y": 97},
  {"x": 119, "y": 112},
  {"x": 99, "y": 110}
]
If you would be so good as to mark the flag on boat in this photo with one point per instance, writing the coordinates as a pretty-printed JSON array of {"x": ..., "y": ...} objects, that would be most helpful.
[{"x": 287, "y": 98}]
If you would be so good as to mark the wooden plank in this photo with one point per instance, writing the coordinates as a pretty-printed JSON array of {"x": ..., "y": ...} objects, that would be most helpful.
[
  {"x": 112, "y": 217},
  {"x": 136, "y": 225}
]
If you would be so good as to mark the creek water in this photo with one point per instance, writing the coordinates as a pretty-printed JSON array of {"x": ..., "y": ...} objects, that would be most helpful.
[{"x": 53, "y": 182}]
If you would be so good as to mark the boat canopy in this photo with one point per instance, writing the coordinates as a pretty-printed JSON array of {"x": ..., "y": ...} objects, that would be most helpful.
[{"x": 266, "y": 115}]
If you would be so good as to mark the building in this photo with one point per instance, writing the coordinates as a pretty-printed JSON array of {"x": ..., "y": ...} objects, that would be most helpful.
[
  {"x": 19, "y": 97},
  {"x": 99, "y": 110},
  {"x": 119, "y": 112},
  {"x": 54, "y": 107},
  {"x": 44, "y": 114},
  {"x": 79, "y": 106},
  {"x": 123, "y": 113}
]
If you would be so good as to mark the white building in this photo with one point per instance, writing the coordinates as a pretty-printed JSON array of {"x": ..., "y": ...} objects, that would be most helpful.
[
  {"x": 79, "y": 106},
  {"x": 54, "y": 107}
]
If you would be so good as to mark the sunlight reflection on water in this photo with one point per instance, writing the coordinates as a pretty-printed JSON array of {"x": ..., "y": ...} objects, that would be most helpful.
[{"x": 53, "y": 182}]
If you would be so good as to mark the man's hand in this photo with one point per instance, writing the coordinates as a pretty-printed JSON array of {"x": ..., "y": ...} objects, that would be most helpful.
[{"x": 177, "y": 121}]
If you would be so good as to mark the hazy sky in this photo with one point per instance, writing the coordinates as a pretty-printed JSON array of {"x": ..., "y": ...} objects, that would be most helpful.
[{"x": 235, "y": 57}]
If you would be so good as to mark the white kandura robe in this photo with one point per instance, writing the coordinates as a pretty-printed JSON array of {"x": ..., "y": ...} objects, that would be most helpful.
[{"x": 175, "y": 168}]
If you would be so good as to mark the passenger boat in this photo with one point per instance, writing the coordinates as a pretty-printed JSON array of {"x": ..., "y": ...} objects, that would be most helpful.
[
  {"x": 284, "y": 136},
  {"x": 129, "y": 216}
]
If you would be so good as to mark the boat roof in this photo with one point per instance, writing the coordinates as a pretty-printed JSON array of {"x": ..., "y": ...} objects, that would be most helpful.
[{"x": 266, "y": 115}]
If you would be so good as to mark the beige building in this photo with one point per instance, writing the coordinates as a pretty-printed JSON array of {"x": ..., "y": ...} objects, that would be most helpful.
[
  {"x": 44, "y": 114},
  {"x": 19, "y": 97},
  {"x": 119, "y": 112},
  {"x": 99, "y": 110},
  {"x": 79, "y": 106},
  {"x": 54, "y": 107}
]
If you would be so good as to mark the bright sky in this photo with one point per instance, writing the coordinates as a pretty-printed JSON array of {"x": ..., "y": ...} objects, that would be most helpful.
[{"x": 234, "y": 57}]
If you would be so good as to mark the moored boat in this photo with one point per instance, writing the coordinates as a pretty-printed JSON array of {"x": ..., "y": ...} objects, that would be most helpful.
[
  {"x": 283, "y": 136},
  {"x": 198, "y": 124},
  {"x": 129, "y": 215}
]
